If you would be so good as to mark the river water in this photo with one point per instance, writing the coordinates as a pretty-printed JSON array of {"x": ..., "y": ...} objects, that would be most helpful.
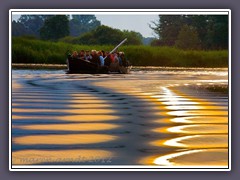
[{"x": 161, "y": 117}]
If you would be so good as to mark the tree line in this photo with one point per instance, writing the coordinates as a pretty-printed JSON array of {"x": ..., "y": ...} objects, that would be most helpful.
[
  {"x": 79, "y": 29},
  {"x": 37, "y": 25},
  {"x": 192, "y": 31}
]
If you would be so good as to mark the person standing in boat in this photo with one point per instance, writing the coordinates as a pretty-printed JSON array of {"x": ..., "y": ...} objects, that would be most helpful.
[
  {"x": 103, "y": 53},
  {"x": 100, "y": 55}
]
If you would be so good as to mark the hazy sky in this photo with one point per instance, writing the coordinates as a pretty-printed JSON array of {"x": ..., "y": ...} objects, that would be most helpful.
[{"x": 138, "y": 23}]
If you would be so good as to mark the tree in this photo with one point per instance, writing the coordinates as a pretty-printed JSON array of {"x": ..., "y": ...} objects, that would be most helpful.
[
  {"x": 212, "y": 30},
  {"x": 18, "y": 29},
  {"x": 217, "y": 34},
  {"x": 133, "y": 38},
  {"x": 33, "y": 23},
  {"x": 55, "y": 27},
  {"x": 167, "y": 28},
  {"x": 105, "y": 35},
  {"x": 188, "y": 38},
  {"x": 80, "y": 24}
]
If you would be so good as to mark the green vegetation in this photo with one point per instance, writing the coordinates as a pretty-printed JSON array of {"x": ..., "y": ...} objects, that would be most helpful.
[
  {"x": 55, "y": 27},
  {"x": 188, "y": 38},
  {"x": 27, "y": 50},
  {"x": 207, "y": 32},
  {"x": 31, "y": 24},
  {"x": 105, "y": 35}
]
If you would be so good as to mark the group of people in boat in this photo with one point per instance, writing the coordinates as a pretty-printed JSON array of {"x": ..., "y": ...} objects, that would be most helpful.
[{"x": 102, "y": 58}]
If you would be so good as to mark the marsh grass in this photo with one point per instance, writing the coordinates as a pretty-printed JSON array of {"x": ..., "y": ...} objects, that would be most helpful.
[{"x": 25, "y": 50}]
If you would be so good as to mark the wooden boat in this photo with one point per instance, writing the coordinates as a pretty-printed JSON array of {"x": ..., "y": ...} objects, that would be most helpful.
[{"x": 76, "y": 66}]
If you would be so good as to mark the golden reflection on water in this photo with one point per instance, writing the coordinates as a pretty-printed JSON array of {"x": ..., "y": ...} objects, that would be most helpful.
[
  {"x": 200, "y": 119},
  {"x": 82, "y": 101},
  {"x": 72, "y": 118},
  {"x": 199, "y": 157},
  {"x": 173, "y": 104},
  {"x": 70, "y": 127},
  {"x": 75, "y": 111},
  {"x": 65, "y": 139},
  {"x": 16, "y": 85},
  {"x": 197, "y": 113},
  {"x": 27, "y": 157},
  {"x": 195, "y": 129},
  {"x": 209, "y": 142},
  {"x": 173, "y": 107},
  {"x": 195, "y": 141}
]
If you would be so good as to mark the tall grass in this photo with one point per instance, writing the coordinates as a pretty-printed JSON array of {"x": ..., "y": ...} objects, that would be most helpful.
[{"x": 37, "y": 51}]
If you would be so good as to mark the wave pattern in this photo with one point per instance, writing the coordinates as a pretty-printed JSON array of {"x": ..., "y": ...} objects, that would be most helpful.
[{"x": 150, "y": 118}]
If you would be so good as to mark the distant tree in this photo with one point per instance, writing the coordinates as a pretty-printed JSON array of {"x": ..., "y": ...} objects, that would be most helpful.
[
  {"x": 33, "y": 23},
  {"x": 212, "y": 30},
  {"x": 157, "y": 42},
  {"x": 18, "y": 29},
  {"x": 217, "y": 32},
  {"x": 55, "y": 28},
  {"x": 147, "y": 40},
  {"x": 200, "y": 23},
  {"x": 105, "y": 35},
  {"x": 101, "y": 35},
  {"x": 87, "y": 38},
  {"x": 80, "y": 24},
  {"x": 188, "y": 38},
  {"x": 133, "y": 38},
  {"x": 167, "y": 28}
]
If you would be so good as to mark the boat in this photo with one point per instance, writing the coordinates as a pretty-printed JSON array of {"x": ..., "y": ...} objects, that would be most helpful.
[
  {"x": 77, "y": 65},
  {"x": 80, "y": 66}
]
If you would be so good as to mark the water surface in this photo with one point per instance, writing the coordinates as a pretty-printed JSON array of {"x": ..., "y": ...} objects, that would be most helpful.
[{"x": 162, "y": 117}]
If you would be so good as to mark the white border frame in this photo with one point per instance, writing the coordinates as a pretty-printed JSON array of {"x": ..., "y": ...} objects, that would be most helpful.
[{"x": 118, "y": 12}]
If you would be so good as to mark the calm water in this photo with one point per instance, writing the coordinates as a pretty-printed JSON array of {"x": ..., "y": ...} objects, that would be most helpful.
[{"x": 164, "y": 117}]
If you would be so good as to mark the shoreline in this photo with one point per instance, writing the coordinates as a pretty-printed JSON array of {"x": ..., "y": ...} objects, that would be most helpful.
[{"x": 149, "y": 68}]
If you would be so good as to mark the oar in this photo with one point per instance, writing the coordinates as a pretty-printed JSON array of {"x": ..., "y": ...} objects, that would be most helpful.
[{"x": 116, "y": 47}]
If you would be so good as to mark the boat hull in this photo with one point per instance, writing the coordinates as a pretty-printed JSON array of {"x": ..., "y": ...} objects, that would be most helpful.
[{"x": 79, "y": 66}]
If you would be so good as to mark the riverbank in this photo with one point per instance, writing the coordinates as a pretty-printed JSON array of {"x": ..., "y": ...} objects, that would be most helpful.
[
  {"x": 38, "y": 66},
  {"x": 45, "y": 52},
  {"x": 134, "y": 68}
]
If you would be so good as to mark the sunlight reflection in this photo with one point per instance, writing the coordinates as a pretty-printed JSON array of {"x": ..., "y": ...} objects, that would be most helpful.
[
  {"x": 198, "y": 129},
  {"x": 200, "y": 119},
  {"x": 199, "y": 141},
  {"x": 197, "y": 113},
  {"x": 70, "y": 118},
  {"x": 74, "y": 111},
  {"x": 78, "y": 156},
  {"x": 70, "y": 127},
  {"x": 65, "y": 139},
  {"x": 201, "y": 157}
]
